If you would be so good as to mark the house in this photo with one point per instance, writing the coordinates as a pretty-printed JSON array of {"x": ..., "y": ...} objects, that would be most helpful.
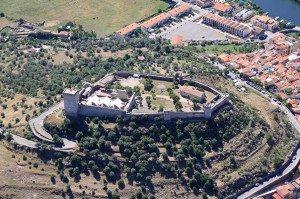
[
  {"x": 244, "y": 15},
  {"x": 177, "y": 40},
  {"x": 258, "y": 32},
  {"x": 128, "y": 29},
  {"x": 276, "y": 196},
  {"x": 204, "y": 3},
  {"x": 189, "y": 92},
  {"x": 222, "y": 8},
  {"x": 284, "y": 191},
  {"x": 265, "y": 22}
]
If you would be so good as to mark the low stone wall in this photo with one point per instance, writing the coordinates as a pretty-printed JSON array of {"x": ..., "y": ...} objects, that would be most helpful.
[{"x": 204, "y": 86}]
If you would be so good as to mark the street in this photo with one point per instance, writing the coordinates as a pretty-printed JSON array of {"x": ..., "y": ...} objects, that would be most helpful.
[{"x": 36, "y": 126}]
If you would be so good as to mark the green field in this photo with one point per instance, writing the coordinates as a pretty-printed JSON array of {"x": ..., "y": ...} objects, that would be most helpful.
[
  {"x": 102, "y": 16},
  {"x": 229, "y": 48}
]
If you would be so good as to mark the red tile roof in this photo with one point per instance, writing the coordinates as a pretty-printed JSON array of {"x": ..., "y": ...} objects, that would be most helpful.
[
  {"x": 177, "y": 40},
  {"x": 128, "y": 29},
  {"x": 180, "y": 9},
  {"x": 190, "y": 90},
  {"x": 155, "y": 20},
  {"x": 222, "y": 7},
  {"x": 277, "y": 196}
]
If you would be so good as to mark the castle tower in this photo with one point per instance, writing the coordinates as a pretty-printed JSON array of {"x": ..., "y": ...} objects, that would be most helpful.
[
  {"x": 207, "y": 111},
  {"x": 71, "y": 102}
]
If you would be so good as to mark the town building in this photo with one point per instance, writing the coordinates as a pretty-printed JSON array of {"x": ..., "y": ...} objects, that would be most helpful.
[
  {"x": 283, "y": 44},
  {"x": 258, "y": 32},
  {"x": 204, "y": 3},
  {"x": 177, "y": 40},
  {"x": 156, "y": 21},
  {"x": 128, "y": 29},
  {"x": 222, "y": 23},
  {"x": 222, "y": 8},
  {"x": 244, "y": 15},
  {"x": 180, "y": 10},
  {"x": 265, "y": 22},
  {"x": 190, "y": 92},
  {"x": 286, "y": 191}
]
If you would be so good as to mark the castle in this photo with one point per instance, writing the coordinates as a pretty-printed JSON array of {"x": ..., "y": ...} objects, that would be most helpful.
[{"x": 97, "y": 100}]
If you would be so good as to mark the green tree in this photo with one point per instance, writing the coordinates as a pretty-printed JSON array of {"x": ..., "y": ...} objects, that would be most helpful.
[{"x": 148, "y": 84}]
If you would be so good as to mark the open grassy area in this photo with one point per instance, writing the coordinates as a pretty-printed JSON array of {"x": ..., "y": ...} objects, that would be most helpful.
[
  {"x": 228, "y": 48},
  {"x": 296, "y": 35},
  {"x": 4, "y": 22},
  {"x": 102, "y": 16}
]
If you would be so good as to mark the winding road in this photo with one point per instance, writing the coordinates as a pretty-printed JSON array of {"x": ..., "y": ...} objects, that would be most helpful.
[{"x": 37, "y": 128}]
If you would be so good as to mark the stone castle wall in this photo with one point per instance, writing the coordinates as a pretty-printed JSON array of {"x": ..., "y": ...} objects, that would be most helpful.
[
  {"x": 96, "y": 111},
  {"x": 74, "y": 108}
]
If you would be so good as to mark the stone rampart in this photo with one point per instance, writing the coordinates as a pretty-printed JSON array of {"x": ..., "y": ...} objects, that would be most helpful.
[
  {"x": 224, "y": 100},
  {"x": 96, "y": 111},
  {"x": 131, "y": 103}
]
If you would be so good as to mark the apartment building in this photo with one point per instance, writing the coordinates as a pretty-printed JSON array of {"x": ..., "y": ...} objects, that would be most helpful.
[
  {"x": 204, "y": 3},
  {"x": 222, "y": 23},
  {"x": 265, "y": 22},
  {"x": 164, "y": 17},
  {"x": 156, "y": 21},
  {"x": 244, "y": 15},
  {"x": 180, "y": 10},
  {"x": 128, "y": 29}
]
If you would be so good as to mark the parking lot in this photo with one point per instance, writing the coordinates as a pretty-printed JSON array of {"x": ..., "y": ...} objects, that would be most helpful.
[{"x": 195, "y": 31}]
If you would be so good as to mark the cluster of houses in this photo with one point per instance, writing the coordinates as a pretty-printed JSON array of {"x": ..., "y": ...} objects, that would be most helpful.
[
  {"x": 288, "y": 190},
  {"x": 276, "y": 66},
  {"x": 156, "y": 20}
]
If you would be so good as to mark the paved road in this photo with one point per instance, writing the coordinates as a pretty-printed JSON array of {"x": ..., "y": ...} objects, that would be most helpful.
[
  {"x": 291, "y": 118},
  {"x": 22, "y": 141},
  {"x": 36, "y": 125},
  {"x": 289, "y": 168}
]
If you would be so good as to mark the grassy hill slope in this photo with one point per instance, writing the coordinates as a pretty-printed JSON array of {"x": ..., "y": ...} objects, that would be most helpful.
[{"x": 102, "y": 16}]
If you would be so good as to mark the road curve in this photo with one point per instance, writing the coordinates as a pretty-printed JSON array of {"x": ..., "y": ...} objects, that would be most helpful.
[{"x": 37, "y": 127}]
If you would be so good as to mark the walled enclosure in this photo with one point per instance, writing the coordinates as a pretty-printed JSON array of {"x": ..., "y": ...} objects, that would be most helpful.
[{"x": 74, "y": 108}]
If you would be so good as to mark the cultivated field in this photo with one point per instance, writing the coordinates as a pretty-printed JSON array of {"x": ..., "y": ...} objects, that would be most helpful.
[{"x": 102, "y": 16}]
